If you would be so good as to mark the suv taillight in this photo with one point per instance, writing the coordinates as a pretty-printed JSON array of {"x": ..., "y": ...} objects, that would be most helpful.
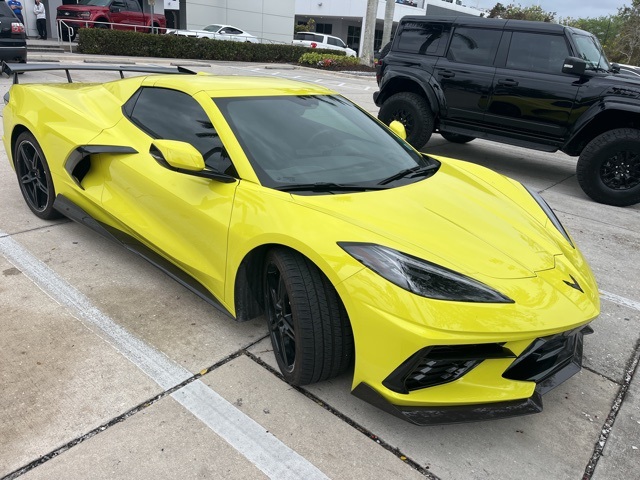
[{"x": 17, "y": 27}]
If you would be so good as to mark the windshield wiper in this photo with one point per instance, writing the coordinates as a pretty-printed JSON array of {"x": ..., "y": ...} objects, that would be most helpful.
[
  {"x": 411, "y": 173},
  {"x": 327, "y": 187}
]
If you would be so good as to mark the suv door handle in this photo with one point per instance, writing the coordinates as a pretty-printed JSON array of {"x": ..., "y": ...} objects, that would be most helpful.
[
  {"x": 446, "y": 73},
  {"x": 508, "y": 83}
]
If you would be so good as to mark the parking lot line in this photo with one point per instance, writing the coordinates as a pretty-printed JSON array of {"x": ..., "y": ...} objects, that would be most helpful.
[
  {"x": 248, "y": 437},
  {"x": 625, "y": 302}
]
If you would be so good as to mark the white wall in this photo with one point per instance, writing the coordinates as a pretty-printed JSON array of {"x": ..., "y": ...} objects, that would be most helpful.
[{"x": 271, "y": 20}]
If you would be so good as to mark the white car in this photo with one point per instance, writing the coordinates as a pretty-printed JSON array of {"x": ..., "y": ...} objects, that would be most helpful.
[
  {"x": 218, "y": 32},
  {"x": 321, "y": 40}
]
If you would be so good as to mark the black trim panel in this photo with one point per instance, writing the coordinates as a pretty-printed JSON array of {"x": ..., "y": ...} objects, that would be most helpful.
[
  {"x": 83, "y": 151},
  {"x": 455, "y": 414},
  {"x": 77, "y": 214}
]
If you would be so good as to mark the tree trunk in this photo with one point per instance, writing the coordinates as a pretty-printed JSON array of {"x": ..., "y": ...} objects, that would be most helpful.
[
  {"x": 388, "y": 22},
  {"x": 366, "y": 46}
]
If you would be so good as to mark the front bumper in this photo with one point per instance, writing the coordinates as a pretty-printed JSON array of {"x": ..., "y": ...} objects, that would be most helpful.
[{"x": 548, "y": 361}]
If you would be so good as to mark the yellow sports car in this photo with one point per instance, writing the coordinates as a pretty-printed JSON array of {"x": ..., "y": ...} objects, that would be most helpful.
[{"x": 453, "y": 292}]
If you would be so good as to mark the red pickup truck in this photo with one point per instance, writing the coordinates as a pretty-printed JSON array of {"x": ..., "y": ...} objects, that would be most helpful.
[{"x": 117, "y": 14}]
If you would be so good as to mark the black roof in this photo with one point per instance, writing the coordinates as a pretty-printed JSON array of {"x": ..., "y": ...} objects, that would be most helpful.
[{"x": 488, "y": 22}]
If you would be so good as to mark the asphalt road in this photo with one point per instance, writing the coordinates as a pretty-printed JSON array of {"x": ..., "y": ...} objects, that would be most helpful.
[{"x": 109, "y": 369}]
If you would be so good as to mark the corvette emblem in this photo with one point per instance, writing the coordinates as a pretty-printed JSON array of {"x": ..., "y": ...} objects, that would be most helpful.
[{"x": 575, "y": 284}]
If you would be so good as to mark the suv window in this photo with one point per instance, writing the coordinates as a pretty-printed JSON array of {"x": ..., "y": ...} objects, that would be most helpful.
[
  {"x": 158, "y": 111},
  {"x": 421, "y": 38},
  {"x": 5, "y": 10},
  {"x": 474, "y": 45},
  {"x": 536, "y": 52},
  {"x": 335, "y": 41}
]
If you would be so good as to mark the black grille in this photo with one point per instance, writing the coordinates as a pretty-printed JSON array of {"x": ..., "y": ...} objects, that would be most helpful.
[{"x": 437, "y": 365}]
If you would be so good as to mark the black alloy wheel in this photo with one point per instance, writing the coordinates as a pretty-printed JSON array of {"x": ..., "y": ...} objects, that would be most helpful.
[
  {"x": 34, "y": 177},
  {"x": 309, "y": 329},
  {"x": 608, "y": 169}
]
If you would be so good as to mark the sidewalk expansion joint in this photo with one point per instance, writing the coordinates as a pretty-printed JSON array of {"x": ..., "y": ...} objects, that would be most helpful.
[
  {"x": 121, "y": 418},
  {"x": 352, "y": 423},
  {"x": 629, "y": 373},
  {"x": 602, "y": 375}
]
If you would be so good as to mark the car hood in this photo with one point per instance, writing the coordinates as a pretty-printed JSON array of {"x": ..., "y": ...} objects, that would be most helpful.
[{"x": 455, "y": 219}]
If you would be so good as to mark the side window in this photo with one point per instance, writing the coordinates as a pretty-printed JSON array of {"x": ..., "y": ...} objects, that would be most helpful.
[
  {"x": 421, "y": 38},
  {"x": 133, "y": 5},
  {"x": 474, "y": 45},
  {"x": 334, "y": 41},
  {"x": 537, "y": 52},
  {"x": 171, "y": 115}
]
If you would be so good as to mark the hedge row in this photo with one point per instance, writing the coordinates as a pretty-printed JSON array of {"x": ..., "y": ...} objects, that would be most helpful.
[{"x": 98, "y": 41}]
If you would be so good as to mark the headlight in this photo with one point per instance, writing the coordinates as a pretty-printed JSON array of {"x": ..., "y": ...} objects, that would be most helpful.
[
  {"x": 550, "y": 213},
  {"x": 421, "y": 277}
]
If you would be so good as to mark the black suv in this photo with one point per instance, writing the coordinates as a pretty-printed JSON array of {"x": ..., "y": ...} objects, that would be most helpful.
[
  {"x": 533, "y": 84},
  {"x": 13, "y": 39}
]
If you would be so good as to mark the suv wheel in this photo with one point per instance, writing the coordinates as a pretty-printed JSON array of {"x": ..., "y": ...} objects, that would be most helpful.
[
  {"x": 413, "y": 112},
  {"x": 456, "y": 137},
  {"x": 608, "y": 169}
]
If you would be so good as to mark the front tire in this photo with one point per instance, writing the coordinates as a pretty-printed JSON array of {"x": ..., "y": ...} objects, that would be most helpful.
[
  {"x": 456, "y": 137},
  {"x": 608, "y": 169},
  {"x": 34, "y": 177},
  {"x": 413, "y": 111},
  {"x": 308, "y": 325}
]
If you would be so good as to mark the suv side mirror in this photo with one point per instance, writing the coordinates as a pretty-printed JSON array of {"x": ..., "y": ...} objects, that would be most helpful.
[
  {"x": 574, "y": 66},
  {"x": 615, "y": 67}
]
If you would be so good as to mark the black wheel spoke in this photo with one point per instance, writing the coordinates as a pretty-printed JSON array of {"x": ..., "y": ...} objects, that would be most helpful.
[
  {"x": 280, "y": 319},
  {"x": 621, "y": 171}
]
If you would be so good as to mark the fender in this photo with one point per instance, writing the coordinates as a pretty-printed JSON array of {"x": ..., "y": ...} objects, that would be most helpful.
[
  {"x": 619, "y": 107},
  {"x": 424, "y": 84}
]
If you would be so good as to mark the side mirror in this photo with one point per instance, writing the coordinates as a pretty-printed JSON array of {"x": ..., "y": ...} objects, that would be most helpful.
[
  {"x": 574, "y": 66},
  {"x": 398, "y": 128},
  {"x": 180, "y": 156},
  {"x": 615, "y": 67}
]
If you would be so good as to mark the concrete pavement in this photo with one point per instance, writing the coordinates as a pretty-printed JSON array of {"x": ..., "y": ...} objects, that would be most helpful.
[{"x": 109, "y": 369}]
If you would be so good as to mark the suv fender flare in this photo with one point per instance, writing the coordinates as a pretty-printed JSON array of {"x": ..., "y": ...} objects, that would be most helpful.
[
  {"x": 589, "y": 125},
  {"x": 426, "y": 88}
]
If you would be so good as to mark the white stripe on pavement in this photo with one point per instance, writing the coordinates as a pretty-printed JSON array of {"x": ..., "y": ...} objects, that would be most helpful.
[
  {"x": 260, "y": 447},
  {"x": 625, "y": 302}
]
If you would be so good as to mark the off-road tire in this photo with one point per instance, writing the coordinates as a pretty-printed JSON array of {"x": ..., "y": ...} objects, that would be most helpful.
[
  {"x": 413, "y": 111},
  {"x": 456, "y": 137},
  {"x": 608, "y": 169}
]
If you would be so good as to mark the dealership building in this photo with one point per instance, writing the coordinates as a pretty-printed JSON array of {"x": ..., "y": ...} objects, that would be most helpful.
[{"x": 274, "y": 20}]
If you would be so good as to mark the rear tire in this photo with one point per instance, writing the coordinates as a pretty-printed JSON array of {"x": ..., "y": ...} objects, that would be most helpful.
[
  {"x": 413, "y": 111},
  {"x": 608, "y": 169},
  {"x": 34, "y": 177},
  {"x": 310, "y": 332},
  {"x": 456, "y": 137}
]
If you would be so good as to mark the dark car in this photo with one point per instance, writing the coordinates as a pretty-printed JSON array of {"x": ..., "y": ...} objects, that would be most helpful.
[
  {"x": 533, "y": 84},
  {"x": 13, "y": 39}
]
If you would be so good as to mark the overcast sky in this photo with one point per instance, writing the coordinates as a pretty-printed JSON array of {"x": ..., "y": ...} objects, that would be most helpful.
[{"x": 563, "y": 8}]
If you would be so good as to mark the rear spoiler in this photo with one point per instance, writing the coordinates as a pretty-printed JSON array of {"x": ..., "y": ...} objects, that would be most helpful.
[{"x": 16, "y": 68}]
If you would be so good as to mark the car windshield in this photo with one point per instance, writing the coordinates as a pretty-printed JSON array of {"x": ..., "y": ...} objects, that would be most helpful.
[
  {"x": 319, "y": 140},
  {"x": 212, "y": 28},
  {"x": 590, "y": 50},
  {"x": 95, "y": 3}
]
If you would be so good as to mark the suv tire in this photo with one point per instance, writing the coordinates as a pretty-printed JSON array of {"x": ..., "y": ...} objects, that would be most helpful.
[
  {"x": 456, "y": 137},
  {"x": 413, "y": 112},
  {"x": 608, "y": 169}
]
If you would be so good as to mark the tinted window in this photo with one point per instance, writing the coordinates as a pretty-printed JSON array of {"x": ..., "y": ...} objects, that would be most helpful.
[
  {"x": 172, "y": 115},
  {"x": 133, "y": 5},
  {"x": 422, "y": 38},
  {"x": 536, "y": 52},
  {"x": 5, "y": 10},
  {"x": 474, "y": 45}
]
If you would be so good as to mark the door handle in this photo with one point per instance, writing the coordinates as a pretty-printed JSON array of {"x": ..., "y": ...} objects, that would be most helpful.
[
  {"x": 446, "y": 73},
  {"x": 508, "y": 83}
]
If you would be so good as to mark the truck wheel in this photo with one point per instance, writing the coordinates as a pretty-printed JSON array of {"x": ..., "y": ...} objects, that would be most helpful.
[
  {"x": 413, "y": 112},
  {"x": 456, "y": 137},
  {"x": 608, "y": 169}
]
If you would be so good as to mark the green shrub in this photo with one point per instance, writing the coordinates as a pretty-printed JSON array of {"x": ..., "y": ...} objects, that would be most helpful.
[
  {"x": 98, "y": 41},
  {"x": 328, "y": 60}
]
